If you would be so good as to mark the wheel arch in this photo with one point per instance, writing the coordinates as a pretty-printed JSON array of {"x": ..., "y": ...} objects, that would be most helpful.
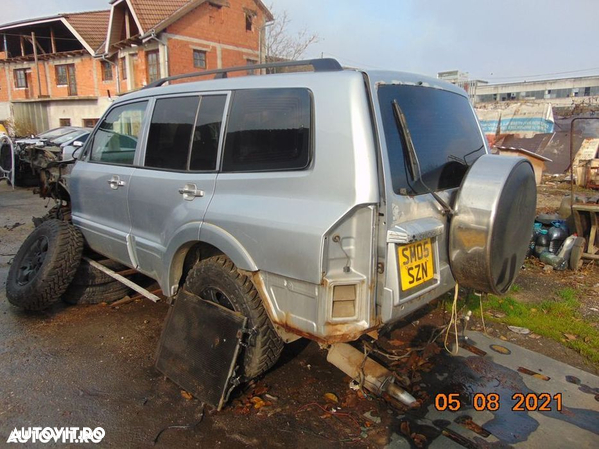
[{"x": 213, "y": 240}]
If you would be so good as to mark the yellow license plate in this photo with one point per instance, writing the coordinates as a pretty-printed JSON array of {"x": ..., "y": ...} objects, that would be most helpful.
[{"x": 415, "y": 263}]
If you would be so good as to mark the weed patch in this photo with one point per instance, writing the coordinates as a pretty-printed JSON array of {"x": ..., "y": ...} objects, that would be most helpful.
[{"x": 556, "y": 318}]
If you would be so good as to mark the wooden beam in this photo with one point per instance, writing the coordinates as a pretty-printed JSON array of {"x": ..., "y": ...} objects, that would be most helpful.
[
  {"x": 138, "y": 288},
  {"x": 127, "y": 25},
  {"x": 22, "y": 46},
  {"x": 35, "y": 43},
  {"x": 52, "y": 40},
  {"x": 37, "y": 66}
]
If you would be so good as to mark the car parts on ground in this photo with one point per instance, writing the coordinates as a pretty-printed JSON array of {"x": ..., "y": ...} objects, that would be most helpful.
[
  {"x": 7, "y": 159},
  {"x": 199, "y": 348}
]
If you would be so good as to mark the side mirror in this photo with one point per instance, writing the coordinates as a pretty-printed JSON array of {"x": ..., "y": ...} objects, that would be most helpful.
[
  {"x": 77, "y": 144},
  {"x": 77, "y": 149}
]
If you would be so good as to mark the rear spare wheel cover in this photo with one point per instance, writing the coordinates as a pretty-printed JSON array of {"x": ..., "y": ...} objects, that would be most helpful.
[{"x": 492, "y": 226}]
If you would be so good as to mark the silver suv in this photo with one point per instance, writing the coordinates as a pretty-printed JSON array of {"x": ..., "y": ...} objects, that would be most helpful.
[{"x": 320, "y": 204}]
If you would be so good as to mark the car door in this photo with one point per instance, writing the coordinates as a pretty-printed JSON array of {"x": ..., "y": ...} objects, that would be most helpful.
[
  {"x": 100, "y": 181},
  {"x": 171, "y": 190}
]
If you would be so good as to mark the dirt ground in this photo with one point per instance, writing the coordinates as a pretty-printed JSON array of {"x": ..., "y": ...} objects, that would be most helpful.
[{"x": 94, "y": 366}]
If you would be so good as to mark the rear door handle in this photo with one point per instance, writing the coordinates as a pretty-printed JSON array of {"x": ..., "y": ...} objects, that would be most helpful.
[
  {"x": 115, "y": 182},
  {"x": 190, "y": 191}
]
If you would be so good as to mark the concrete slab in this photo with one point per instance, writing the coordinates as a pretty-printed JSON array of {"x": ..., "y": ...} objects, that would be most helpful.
[{"x": 483, "y": 371}]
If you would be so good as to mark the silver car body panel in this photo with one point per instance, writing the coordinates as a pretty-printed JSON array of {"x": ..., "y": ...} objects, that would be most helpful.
[
  {"x": 421, "y": 214},
  {"x": 300, "y": 234}
]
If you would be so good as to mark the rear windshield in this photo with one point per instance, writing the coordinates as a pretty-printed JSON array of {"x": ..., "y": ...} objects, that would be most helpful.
[{"x": 444, "y": 131}]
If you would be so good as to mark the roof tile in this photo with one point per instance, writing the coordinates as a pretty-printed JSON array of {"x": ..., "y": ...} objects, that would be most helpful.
[
  {"x": 151, "y": 12},
  {"x": 91, "y": 26}
]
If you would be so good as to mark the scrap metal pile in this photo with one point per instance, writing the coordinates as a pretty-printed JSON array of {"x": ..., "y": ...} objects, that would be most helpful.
[{"x": 40, "y": 160}]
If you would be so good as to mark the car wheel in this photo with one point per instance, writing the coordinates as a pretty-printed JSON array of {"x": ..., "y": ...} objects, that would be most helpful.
[
  {"x": 44, "y": 266},
  {"x": 217, "y": 279},
  {"x": 95, "y": 294}
]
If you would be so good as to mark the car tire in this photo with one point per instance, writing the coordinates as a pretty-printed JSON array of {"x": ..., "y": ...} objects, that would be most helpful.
[
  {"x": 44, "y": 266},
  {"x": 88, "y": 275},
  {"x": 95, "y": 294},
  {"x": 217, "y": 279}
]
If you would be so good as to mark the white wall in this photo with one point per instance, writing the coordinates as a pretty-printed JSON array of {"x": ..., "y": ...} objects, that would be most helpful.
[
  {"x": 76, "y": 110},
  {"x": 5, "y": 110}
]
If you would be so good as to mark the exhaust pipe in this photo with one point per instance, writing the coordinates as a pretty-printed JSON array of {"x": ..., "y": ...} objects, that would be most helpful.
[{"x": 377, "y": 378}]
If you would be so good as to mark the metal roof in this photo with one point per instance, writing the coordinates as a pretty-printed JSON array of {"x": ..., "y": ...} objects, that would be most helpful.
[{"x": 524, "y": 151}]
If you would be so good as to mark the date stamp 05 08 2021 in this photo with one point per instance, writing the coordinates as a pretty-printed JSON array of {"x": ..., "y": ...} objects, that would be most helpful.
[{"x": 532, "y": 402}]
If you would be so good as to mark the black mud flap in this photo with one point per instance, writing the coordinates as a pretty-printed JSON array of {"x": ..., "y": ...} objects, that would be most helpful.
[{"x": 199, "y": 348}]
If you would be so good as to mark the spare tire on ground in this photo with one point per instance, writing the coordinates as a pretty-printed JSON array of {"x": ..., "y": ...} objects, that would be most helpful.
[
  {"x": 89, "y": 275},
  {"x": 44, "y": 266},
  {"x": 95, "y": 294},
  {"x": 492, "y": 226}
]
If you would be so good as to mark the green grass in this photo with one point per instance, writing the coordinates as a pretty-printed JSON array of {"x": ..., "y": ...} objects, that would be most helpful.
[{"x": 551, "y": 318}]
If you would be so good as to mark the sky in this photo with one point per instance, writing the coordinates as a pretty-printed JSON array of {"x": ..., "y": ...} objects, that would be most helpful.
[{"x": 497, "y": 41}]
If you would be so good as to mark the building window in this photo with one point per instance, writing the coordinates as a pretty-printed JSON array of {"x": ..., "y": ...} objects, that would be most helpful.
[
  {"x": 199, "y": 59},
  {"x": 89, "y": 122},
  {"x": 249, "y": 21},
  {"x": 65, "y": 76},
  {"x": 21, "y": 78},
  {"x": 61, "y": 75},
  {"x": 64, "y": 121},
  {"x": 124, "y": 68},
  {"x": 106, "y": 71},
  {"x": 251, "y": 62},
  {"x": 153, "y": 65}
]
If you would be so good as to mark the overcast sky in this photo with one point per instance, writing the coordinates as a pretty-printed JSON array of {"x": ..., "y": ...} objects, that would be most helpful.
[{"x": 507, "y": 40}]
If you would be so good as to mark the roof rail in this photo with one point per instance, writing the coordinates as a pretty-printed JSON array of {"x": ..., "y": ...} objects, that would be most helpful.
[{"x": 319, "y": 65}]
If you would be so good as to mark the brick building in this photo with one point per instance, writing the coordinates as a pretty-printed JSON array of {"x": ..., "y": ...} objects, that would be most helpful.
[{"x": 64, "y": 69}]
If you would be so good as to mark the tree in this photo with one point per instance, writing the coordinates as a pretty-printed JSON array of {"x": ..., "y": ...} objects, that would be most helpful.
[{"x": 280, "y": 44}]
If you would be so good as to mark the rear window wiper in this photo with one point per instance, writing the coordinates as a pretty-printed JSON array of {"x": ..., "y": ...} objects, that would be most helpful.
[
  {"x": 404, "y": 132},
  {"x": 410, "y": 152}
]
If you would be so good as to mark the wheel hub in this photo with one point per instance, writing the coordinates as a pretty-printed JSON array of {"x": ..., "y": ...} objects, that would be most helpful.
[
  {"x": 33, "y": 261},
  {"x": 216, "y": 296}
]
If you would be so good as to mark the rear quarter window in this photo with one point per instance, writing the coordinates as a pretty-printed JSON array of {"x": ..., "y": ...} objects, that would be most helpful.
[{"x": 268, "y": 130}]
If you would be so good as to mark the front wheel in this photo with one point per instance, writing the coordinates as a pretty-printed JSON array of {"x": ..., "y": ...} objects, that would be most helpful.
[{"x": 217, "y": 279}]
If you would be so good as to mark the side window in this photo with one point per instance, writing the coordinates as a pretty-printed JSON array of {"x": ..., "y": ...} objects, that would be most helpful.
[
  {"x": 170, "y": 133},
  {"x": 116, "y": 137},
  {"x": 269, "y": 129},
  {"x": 204, "y": 148}
]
